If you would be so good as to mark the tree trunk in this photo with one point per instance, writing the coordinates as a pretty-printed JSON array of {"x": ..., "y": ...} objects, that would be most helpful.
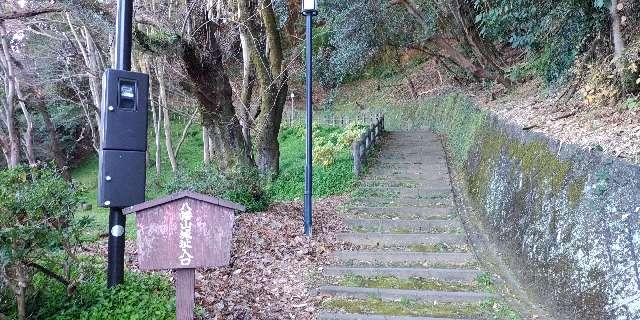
[
  {"x": 91, "y": 59},
  {"x": 165, "y": 117},
  {"x": 14, "y": 94},
  {"x": 616, "y": 34},
  {"x": 463, "y": 13},
  {"x": 273, "y": 84},
  {"x": 13, "y": 143},
  {"x": 183, "y": 136},
  {"x": 54, "y": 142},
  {"x": 245, "y": 115},
  {"x": 458, "y": 58},
  {"x": 28, "y": 133},
  {"x": 205, "y": 146},
  {"x": 21, "y": 302},
  {"x": 203, "y": 63},
  {"x": 156, "y": 116}
]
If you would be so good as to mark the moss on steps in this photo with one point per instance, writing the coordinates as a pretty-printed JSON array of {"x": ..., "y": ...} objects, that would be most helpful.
[
  {"x": 482, "y": 283},
  {"x": 490, "y": 309}
]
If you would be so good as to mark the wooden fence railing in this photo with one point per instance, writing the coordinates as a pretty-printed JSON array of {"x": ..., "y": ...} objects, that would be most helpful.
[
  {"x": 330, "y": 120},
  {"x": 361, "y": 147}
]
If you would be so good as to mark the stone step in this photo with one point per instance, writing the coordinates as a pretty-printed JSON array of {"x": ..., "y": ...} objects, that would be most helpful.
[
  {"x": 396, "y": 294},
  {"x": 401, "y": 239},
  {"x": 424, "y": 156},
  {"x": 420, "y": 182},
  {"x": 381, "y": 225},
  {"x": 353, "y": 316},
  {"x": 446, "y": 275},
  {"x": 395, "y": 257},
  {"x": 372, "y": 182},
  {"x": 422, "y": 191},
  {"x": 414, "y": 174},
  {"x": 440, "y": 213},
  {"x": 400, "y": 158},
  {"x": 409, "y": 173},
  {"x": 403, "y": 202}
]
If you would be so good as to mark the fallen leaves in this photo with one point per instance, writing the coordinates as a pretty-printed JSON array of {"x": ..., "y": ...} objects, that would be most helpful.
[{"x": 272, "y": 264}]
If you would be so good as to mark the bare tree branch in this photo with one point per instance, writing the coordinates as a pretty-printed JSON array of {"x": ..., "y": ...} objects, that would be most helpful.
[{"x": 21, "y": 14}]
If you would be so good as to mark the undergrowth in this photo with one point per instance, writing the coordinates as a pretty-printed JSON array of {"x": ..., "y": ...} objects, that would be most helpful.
[{"x": 142, "y": 296}]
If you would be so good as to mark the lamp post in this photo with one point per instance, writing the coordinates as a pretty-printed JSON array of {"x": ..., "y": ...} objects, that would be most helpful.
[{"x": 309, "y": 9}]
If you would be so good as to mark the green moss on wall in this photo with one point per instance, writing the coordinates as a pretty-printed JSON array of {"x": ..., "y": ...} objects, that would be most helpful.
[
  {"x": 574, "y": 193},
  {"x": 490, "y": 148},
  {"x": 537, "y": 162},
  {"x": 468, "y": 136}
]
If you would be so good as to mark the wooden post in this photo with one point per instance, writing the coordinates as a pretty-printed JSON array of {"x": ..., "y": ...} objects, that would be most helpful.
[
  {"x": 355, "y": 150},
  {"x": 372, "y": 134},
  {"x": 185, "y": 293}
]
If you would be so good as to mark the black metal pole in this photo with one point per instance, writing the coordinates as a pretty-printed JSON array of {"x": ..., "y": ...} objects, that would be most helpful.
[
  {"x": 117, "y": 221},
  {"x": 115, "y": 267},
  {"x": 124, "y": 34},
  {"x": 308, "y": 174}
]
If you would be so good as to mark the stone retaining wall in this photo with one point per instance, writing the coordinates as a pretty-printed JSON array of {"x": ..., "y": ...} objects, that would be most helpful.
[{"x": 569, "y": 214}]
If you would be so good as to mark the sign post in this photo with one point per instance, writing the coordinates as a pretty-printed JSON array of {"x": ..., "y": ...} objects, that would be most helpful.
[
  {"x": 182, "y": 232},
  {"x": 123, "y": 141}
]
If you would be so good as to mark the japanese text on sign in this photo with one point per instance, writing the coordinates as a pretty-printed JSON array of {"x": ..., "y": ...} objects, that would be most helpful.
[{"x": 185, "y": 234}]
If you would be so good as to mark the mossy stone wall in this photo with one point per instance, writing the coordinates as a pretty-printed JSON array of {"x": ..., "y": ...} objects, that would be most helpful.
[{"x": 569, "y": 214}]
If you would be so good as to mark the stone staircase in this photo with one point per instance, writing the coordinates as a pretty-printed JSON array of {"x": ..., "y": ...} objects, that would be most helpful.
[{"x": 408, "y": 257}]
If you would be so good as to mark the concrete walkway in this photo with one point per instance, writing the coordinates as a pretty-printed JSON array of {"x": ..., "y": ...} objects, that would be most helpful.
[{"x": 410, "y": 259}]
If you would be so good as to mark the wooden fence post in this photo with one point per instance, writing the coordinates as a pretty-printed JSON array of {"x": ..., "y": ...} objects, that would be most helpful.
[{"x": 355, "y": 150}]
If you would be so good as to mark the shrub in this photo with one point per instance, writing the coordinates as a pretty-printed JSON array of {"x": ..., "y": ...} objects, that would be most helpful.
[
  {"x": 554, "y": 33},
  {"x": 37, "y": 226},
  {"x": 141, "y": 296},
  {"x": 238, "y": 184}
]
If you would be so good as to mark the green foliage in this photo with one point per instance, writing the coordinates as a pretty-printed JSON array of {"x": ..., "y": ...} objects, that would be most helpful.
[
  {"x": 334, "y": 178},
  {"x": 37, "y": 223},
  {"x": 238, "y": 184},
  {"x": 369, "y": 26},
  {"x": 632, "y": 104},
  {"x": 496, "y": 310},
  {"x": 140, "y": 297},
  {"x": 554, "y": 33},
  {"x": 69, "y": 120},
  {"x": 36, "y": 213}
]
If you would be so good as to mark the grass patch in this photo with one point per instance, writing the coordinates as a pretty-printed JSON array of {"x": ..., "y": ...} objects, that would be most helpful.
[
  {"x": 403, "y": 307},
  {"x": 413, "y": 283},
  {"x": 334, "y": 178},
  {"x": 334, "y": 175},
  {"x": 494, "y": 309}
]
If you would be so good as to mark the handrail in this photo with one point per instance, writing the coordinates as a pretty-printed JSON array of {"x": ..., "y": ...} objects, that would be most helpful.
[{"x": 360, "y": 148}]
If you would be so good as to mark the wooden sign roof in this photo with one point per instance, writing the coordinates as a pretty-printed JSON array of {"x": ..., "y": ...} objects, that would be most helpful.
[{"x": 183, "y": 194}]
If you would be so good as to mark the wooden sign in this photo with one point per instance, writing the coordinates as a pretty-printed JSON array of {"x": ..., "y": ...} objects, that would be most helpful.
[{"x": 182, "y": 232}]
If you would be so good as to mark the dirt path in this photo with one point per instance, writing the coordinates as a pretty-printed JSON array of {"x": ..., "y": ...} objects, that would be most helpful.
[{"x": 409, "y": 257}]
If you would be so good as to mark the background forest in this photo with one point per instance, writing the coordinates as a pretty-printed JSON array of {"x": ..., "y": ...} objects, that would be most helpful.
[{"x": 226, "y": 75}]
